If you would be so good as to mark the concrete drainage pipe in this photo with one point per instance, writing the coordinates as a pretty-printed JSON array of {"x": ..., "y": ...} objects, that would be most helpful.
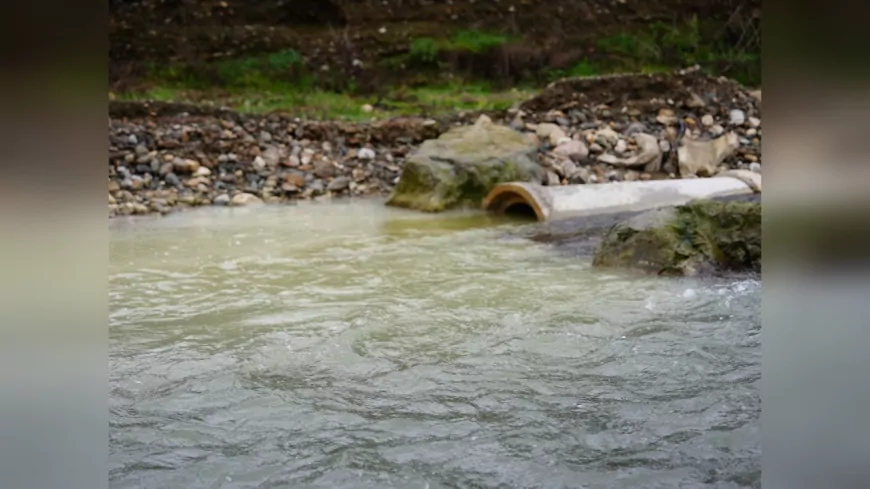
[{"x": 550, "y": 203}]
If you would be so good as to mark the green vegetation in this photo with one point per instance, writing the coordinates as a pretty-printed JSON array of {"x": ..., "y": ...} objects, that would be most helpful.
[
  {"x": 422, "y": 81},
  {"x": 261, "y": 72},
  {"x": 476, "y": 41},
  {"x": 322, "y": 104},
  {"x": 424, "y": 50},
  {"x": 663, "y": 47}
]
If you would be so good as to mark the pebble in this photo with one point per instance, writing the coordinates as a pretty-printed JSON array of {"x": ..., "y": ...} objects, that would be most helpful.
[
  {"x": 755, "y": 166},
  {"x": 338, "y": 184},
  {"x": 551, "y": 132},
  {"x": 245, "y": 199},
  {"x": 621, "y": 146},
  {"x": 572, "y": 149},
  {"x": 607, "y": 137},
  {"x": 635, "y": 127},
  {"x": 285, "y": 158},
  {"x": 173, "y": 180},
  {"x": 737, "y": 117},
  {"x": 666, "y": 116}
]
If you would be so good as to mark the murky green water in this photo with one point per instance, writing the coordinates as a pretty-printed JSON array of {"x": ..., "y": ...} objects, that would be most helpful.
[{"x": 354, "y": 346}]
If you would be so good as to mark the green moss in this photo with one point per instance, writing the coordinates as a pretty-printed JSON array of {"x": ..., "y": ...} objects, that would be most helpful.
[{"x": 703, "y": 235}]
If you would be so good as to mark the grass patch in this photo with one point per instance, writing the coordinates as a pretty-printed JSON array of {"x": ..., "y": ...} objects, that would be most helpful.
[
  {"x": 662, "y": 47},
  {"x": 259, "y": 71},
  {"x": 476, "y": 41},
  {"x": 429, "y": 101},
  {"x": 424, "y": 50}
]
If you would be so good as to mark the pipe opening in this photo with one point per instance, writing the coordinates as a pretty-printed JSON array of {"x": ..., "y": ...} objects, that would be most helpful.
[{"x": 521, "y": 210}]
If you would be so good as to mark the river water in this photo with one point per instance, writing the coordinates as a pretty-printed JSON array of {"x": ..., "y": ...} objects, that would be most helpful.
[{"x": 349, "y": 345}]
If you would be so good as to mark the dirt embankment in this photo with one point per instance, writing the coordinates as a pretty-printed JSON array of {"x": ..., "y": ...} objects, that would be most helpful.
[{"x": 334, "y": 33}]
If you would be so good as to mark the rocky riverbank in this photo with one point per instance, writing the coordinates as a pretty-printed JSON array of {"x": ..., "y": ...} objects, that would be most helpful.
[{"x": 164, "y": 157}]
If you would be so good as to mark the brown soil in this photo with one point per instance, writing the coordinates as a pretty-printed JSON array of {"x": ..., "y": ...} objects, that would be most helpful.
[{"x": 334, "y": 32}]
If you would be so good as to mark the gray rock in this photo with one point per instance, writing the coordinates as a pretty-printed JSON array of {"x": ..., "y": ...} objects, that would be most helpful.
[
  {"x": 366, "y": 154},
  {"x": 141, "y": 150},
  {"x": 568, "y": 167},
  {"x": 548, "y": 131},
  {"x": 259, "y": 163},
  {"x": 581, "y": 175},
  {"x": 324, "y": 169},
  {"x": 755, "y": 166},
  {"x": 575, "y": 150},
  {"x": 621, "y": 146},
  {"x": 265, "y": 136},
  {"x": 737, "y": 117},
  {"x": 244, "y": 199},
  {"x": 461, "y": 166},
  {"x": 607, "y": 137},
  {"x": 608, "y": 159},
  {"x": 577, "y": 116},
  {"x": 132, "y": 139},
  {"x": 635, "y": 127},
  {"x": 271, "y": 156},
  {"x": 166, "y": 169},
  {"x": 695, "y": 101},
  {"x": 702, "y": 158},
  {"x": 701, "y": 237},
  {"x": 317, "y": 187},
  {"x": 173, "y": 180},
  {"x": 553, "y": 179},
  {"x": 338, "y": 184}
]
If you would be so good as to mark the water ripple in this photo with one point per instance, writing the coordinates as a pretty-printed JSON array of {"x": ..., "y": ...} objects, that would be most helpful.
[{"x": 373, "y": 348}]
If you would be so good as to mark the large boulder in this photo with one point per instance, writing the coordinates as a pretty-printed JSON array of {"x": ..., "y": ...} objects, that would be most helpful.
[
  {"x": 702, "y": 237},
  {"x": 460, "y": 167}
]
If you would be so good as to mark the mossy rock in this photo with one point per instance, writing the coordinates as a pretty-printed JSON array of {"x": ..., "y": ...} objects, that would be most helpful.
[
  {"x": 702, "y": 237},
  {"x": 460, "y": 167}
]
